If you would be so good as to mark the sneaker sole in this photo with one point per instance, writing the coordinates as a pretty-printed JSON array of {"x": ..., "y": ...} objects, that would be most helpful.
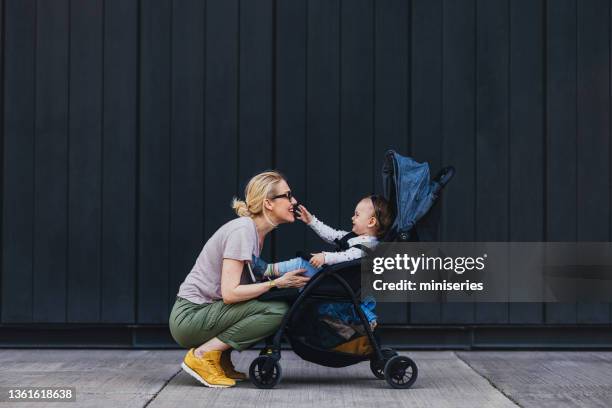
[{"x": 200, "y": 379}]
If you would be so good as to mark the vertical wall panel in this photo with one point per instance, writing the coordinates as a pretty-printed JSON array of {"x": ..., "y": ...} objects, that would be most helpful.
[
  {"x": 119, "y": 161},
  {"x": 255, "y": 93},
  {"x": 51, "y": 158},
  {"x": 561, "y": 210},
  {"x": 290, "y": 113},
  {"x": 356, "y": 109},
  {"x": 392, "y": 25},
  {"x": 426, "y": 82},
  {"x": 18, "y": 160},
  {"x": 593, "y": 136},
  {"x": 426, "y": 107},
  {"x": 187, "y": 141},
  {"x": 391, "y": 102},
  {"x": 155, "y": 153},
  {"x": 459, "y": 140},
  {"x": 85, "y": 161},
  {"x": 221, "y": 110},
  {"x": 526, "y": 135},
  {"x": 322, "y": 153},
  {"x": 255, "y": 142},
  {"x": 356, "y": 106},
  {"x": 492, "y": 122}
]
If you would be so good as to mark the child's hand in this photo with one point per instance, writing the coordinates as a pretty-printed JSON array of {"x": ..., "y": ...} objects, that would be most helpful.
[
  {"x": 317, "y": 260},
  {"x": 373, "y": 324},
  {"x": 304, "y": 215}
]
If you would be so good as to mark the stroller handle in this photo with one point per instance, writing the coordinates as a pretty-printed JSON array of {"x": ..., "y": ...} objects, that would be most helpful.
[{"x": 444, "y": 176}]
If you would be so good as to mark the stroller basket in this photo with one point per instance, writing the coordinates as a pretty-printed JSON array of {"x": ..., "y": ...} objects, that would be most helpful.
[{"x": 322, "y": 356}]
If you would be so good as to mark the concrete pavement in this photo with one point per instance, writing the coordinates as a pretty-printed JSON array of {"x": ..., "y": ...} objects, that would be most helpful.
[{"x": 152, "y": 378}]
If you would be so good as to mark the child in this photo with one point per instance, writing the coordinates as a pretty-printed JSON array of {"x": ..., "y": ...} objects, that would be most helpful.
[{"x": 371, "y": 220}]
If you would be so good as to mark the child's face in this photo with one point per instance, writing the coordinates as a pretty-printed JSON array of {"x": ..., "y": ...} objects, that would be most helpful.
[{"x": 364, "y": 220}]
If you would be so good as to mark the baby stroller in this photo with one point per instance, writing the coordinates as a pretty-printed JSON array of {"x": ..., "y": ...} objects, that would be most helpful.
[{"x": 411, "y": 193}]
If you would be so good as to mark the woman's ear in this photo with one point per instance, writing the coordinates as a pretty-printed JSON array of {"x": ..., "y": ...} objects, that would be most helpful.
[{"x": 267, "y": 204}]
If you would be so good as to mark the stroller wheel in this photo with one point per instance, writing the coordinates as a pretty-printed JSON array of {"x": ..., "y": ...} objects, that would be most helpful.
[
  {"x": 265, "y": 372},
  {"x": 378, "y": 366},
  {"x": 401, "y": 372}
]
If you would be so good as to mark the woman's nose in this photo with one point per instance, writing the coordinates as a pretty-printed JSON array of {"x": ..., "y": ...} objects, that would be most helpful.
[{"x": 294, "y": 201}]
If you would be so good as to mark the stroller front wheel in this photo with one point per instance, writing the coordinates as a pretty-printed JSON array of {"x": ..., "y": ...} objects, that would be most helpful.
[
  {"x": 401, "y": 372},
  {"x": 265, "y": 372}
]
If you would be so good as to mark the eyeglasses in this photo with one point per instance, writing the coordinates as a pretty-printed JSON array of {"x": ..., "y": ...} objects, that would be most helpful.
[{"x": 288, "y": 195}]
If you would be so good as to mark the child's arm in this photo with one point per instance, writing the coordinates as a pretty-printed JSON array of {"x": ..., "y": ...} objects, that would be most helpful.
[{"x": 325, "y": 232}]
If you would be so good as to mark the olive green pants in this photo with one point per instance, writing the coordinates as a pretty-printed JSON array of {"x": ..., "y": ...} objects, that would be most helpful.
[{"x": 239, "y": 325}]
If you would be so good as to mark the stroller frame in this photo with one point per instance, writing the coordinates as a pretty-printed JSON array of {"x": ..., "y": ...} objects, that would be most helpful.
[
  {"x": 399, "y": 371},
  {"x": 314, "y": 284},
  {"x": 265, "y": 371}
]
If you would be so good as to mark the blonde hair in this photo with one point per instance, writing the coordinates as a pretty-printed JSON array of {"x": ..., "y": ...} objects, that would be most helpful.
[{"x": 257, "y": 190}]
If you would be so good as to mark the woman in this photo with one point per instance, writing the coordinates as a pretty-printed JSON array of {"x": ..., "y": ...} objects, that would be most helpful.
[{"x": 216, "y": 309}]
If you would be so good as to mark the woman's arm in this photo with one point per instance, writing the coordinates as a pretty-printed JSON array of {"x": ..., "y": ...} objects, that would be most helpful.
[{"x": 233, "y": 292}]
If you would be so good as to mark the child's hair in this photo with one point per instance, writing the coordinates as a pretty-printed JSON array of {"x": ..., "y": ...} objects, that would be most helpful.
[
  {"x": 257, "y": 190},
  {"x": 382, "y": 213}
]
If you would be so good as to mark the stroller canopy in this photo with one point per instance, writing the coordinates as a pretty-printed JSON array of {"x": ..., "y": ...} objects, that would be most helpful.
[{"x": 408, "y": 187}]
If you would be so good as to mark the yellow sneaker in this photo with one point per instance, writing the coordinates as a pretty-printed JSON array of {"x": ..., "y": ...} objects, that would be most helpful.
[
  {"x": 228, "y": 367},
  {"x": 207, "y": 369}
]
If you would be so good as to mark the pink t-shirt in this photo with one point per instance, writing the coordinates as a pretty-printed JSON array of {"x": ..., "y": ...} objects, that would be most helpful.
[{"x": 236, "y": 239}]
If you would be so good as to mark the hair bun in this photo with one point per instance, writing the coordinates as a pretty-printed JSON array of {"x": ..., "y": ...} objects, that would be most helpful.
[{"x": 240, "y": 207}]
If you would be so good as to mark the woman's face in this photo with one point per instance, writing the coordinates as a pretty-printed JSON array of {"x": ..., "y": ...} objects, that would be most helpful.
[{"x": 281, "y": 208}]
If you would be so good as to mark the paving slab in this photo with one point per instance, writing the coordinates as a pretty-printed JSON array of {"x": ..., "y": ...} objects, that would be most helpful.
[
  {"x": 444, "y": 381},
  {"x": 103, "y": 378},
  {"x": 548, "y": 379}
]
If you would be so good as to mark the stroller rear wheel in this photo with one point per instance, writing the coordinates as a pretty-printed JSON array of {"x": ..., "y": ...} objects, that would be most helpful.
[
  {"x": 378, "y": 366},
  {"x": 265, "y": 372},
  {"x": 401, "y": 372}
]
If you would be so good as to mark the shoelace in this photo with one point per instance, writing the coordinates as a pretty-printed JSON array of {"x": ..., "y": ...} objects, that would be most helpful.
[{"x": 217, "y": 370}]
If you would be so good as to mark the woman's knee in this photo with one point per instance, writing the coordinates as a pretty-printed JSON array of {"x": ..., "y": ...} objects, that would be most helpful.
[
  {"x": 270, "y": 313},
  {"x": 276, "y": 308}
]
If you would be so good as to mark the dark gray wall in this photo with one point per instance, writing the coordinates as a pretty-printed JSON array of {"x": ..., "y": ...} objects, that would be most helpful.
[{"x": 129, "y": 125}]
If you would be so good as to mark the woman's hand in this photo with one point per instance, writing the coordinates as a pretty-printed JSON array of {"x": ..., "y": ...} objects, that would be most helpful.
[
  {"x": 317, "y": 260},
  {"x": 305, "y": 216},
  {"x": 292, "y": 279}
]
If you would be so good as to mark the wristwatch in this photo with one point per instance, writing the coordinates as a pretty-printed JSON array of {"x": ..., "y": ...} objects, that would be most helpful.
[{"x": 272, "y": 283}]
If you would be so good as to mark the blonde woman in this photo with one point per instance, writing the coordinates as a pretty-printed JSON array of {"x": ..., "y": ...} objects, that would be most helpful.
[{"x": 216, "y": 309}]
